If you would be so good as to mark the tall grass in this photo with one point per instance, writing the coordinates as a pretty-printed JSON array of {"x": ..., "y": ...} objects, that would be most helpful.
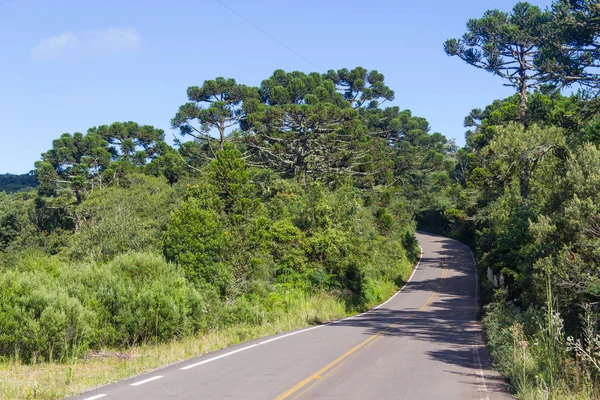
[{"x": 531, "y": 349}]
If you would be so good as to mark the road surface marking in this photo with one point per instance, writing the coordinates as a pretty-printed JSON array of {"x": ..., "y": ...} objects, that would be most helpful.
[
  {"x": 319, "y": 378},
  {"x": 290, "y": 334},
  {"x": 303, "y": 330},
  {"x": 407, "y": 282},
  {"x": 221, "y": 356},
  {"x": 481, "y": 385},
  {"x": 323, "y": 372},
  {"x": 147, "y": 380},
  {"x": 325, "y": 368},
  {"x": 98, "y": 396}
]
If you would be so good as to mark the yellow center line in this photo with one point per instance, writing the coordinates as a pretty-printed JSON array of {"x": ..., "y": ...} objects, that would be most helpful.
[{"x": 329, "y": 367}]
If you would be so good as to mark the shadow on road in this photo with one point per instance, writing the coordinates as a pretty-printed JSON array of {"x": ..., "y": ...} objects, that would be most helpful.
[{"x": 449, "y": 323}]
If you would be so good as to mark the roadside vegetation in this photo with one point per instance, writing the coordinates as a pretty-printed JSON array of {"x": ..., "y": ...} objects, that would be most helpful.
[
  {"x": 528, "y": 195},
  {"x": 291, "y": 204},
  {"x": 296, "y": 202}
]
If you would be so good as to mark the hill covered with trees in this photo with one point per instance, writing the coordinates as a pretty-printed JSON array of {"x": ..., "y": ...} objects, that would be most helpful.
[{"x": 11, "y": 183}]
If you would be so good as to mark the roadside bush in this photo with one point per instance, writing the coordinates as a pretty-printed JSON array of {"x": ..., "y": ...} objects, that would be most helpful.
[
  {"x": 116, "y": 220},
  {"x": 49, "y": 313},
  {"x": 39, "y": 320},
  {"x": 195, "y": 240}
]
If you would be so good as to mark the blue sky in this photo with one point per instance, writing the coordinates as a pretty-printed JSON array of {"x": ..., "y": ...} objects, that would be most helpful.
[{"x": 70, "y": 65}]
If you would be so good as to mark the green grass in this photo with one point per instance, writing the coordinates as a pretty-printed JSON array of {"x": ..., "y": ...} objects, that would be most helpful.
[
  {"x": 534, "y": 356},
  {"x": 58, "y": 380}
]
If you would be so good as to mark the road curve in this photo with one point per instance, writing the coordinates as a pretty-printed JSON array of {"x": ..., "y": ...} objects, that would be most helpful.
[{"x": 424, "y": 343}]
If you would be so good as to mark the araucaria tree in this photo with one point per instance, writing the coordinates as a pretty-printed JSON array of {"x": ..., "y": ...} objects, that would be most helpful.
[
  {"x": 73, "y": 165},
  {"x": 130, "y": 142},
  {"x": 573, "y": 54},
  {"x": 302, "y": 126},
  {"x": 507, "y": 45},
  {"x": 360, "y": 87},
  {"x": 216, "y": 105}
]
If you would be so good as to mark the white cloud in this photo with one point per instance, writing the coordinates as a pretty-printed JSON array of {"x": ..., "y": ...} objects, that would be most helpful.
[
  {"x": 55, "y": 46},
  {"x": 112, "y": 41},
  {"x": 99, "y": 43}
]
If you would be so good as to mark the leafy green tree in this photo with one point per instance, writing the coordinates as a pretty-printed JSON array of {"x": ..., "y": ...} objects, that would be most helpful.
[
  {"x": 122, "y": 218},
  {"x": 517, "y": 153},
  {"x": 567, "y": 235},
  {"x": 214, "y": 105},
  {"x": 228, "y": 173},
  {"x": 195, "y": 239},
  {"x": 284, "y": 88},
  {"x": 507, "y": 45},
  {"x": 13, "y": 219},
  {"x": 307, "y": 140},
  {"x": 552, "y": 109},
  {"x": 170, "y": 164}
]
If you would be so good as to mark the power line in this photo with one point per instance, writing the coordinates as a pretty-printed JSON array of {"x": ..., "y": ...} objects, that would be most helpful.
[{"x": 264, "y": 32}]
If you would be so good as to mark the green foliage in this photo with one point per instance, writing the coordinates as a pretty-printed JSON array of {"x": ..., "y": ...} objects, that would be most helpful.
[
  {"x": 215, "y": 105},
  {"x": 120, "y": 219},
  {"x": 330, "y": 218},
  {"x": 570, "y": 53},
  {"x": 54, "y": 310},
  {"x": 528, "y": 186},
  {"x": 13, "y": 219},
  {"x": 507, "y": 45},
  {"x": 10, "y": 183},
  {"x": 130, "y": 142},
  {"x": 73, "y": 166},
  {"x": 228, "y": 174},
  {"x": 303, "y": 127},
  {"x": 195, "y": 240},
  {"x": 169, "y": 164},
  {"x": 360, "y": 87}
]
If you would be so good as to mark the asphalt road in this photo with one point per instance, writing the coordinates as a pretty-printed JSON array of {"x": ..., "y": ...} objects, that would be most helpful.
[{"x": 424, "y": 343}]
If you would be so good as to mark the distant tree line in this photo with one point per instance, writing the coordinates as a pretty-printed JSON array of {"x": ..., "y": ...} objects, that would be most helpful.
[{"x": 11, "y": 183}]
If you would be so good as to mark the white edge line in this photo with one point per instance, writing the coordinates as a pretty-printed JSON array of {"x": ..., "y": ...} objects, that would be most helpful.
[
  {"x": 220, "y": 356},
  {"x": 407, "y": 282},
  {"x": 147, "y": 380},
  {"x": 292, "y": 333},
  {"x": 480, "y": 375},
  {"x": 98, "y": 396}
]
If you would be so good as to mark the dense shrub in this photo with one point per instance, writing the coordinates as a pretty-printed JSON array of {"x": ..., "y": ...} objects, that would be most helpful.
[
  {"x": 53, "y": 312},
  {"x": 120, "y": 219}
]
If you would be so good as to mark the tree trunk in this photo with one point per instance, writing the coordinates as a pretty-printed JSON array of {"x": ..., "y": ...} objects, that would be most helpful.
[
  {"x": 523, "y": 103},
  {"x": 522, "y": 83},
  {"x": 221, "y": 133}
]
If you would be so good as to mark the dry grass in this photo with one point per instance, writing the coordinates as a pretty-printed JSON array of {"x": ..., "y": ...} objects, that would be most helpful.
[{"x": 58, "y": 380}]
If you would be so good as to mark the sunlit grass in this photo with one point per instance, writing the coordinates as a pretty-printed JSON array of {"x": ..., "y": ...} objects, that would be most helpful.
[{"x": 58, "y": 380}]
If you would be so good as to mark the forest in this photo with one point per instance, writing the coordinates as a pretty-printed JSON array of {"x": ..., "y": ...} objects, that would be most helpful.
[
  {"x": 297, "y": 201},
  {"x": 11, "y": 183}
]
